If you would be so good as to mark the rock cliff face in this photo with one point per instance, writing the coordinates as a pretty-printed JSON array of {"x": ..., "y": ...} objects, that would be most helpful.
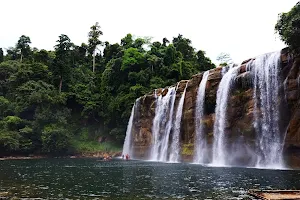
[{"x": 240, "y": 114}]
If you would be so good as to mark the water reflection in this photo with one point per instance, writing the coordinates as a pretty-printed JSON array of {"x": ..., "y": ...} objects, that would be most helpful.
[{"x": 93, "y": 179}]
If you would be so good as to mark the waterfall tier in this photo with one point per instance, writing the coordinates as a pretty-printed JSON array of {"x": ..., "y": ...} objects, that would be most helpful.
[
  {"x": 200, "y": 150},
  {"x": 175, "y": 144},
  {"x": 128, "y": 143},
  {"x": 162, "y": 123},
  {"x": 220, "y": 144},
  {"x": 269, "y": 140}
]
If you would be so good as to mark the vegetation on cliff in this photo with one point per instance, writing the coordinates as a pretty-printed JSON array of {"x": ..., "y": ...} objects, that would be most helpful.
[
  {"x": 288, "y": 28},
  {"x": 74, "y": 97}
]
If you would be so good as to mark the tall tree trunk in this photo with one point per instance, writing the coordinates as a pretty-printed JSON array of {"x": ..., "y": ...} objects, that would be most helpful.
[
  {"x": 60, "y": 84},
  {"x": 94, "y": 61},
  {"x": 21, "y": 57}
]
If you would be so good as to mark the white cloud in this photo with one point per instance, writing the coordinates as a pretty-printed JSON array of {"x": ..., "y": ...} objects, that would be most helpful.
[{"x": 241, "y": 28}]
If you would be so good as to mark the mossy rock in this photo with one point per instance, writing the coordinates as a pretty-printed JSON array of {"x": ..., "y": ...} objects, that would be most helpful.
[
  {"x": 187, "y": 149},
  {"x": 210, "y": 134}
]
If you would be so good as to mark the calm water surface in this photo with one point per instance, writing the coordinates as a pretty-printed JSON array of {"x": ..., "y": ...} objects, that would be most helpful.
[{"x": 93, "y": 179}]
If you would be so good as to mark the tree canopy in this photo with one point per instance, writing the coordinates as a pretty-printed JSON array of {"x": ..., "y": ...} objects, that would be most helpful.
[
  {"x": 50, "y": 98},
  {"x": 288, "y": 28}
]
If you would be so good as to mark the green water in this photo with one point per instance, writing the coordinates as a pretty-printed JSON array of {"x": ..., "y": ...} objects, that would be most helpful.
[{"x": 117, "y": 179}]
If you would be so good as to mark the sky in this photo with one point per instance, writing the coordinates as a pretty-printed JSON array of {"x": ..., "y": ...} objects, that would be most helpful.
[{"x": 244, "y": 29}]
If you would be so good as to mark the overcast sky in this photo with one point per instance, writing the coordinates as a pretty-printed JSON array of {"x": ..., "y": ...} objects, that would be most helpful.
[{"x": 241, "y": 28}]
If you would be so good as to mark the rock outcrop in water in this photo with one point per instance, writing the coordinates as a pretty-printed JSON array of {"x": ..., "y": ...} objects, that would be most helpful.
[{"x": 239, "y": 127}]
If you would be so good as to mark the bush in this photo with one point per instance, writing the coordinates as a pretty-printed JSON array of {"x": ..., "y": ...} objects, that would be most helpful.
[
  {"x": 12, "y": 123},
  {"x": 94, "y": 146},
  {"x": 55, "y": 139},
  {"x": 9, "y": 140},
  {"x": 4, "y": 103}
]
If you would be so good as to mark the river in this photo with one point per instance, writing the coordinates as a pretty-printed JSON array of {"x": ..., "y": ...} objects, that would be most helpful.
[{"x": 118, "y": 179}]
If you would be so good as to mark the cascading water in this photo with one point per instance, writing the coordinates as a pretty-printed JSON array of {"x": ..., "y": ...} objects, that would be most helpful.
[
  {"x": 200, "y": 150},
  {"x": 175, "y": 145},
  {"x": 127, "y": 147},
  {"x": 267, "y": 151},
  {"x": 269, "y": 141},
  {"x": 162, "y": 124},
  {"x": 166, "y": 135},
  {"x": 219, "y": 143}
]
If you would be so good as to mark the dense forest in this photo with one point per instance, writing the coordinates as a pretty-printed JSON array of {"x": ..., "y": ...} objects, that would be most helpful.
[
  {"x": 53, "y": 101},
  {"x": 73, "y": 97}
]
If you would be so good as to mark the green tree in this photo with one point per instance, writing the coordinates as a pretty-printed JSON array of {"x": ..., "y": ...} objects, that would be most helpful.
[
  {"x": 4, "y": 104},
  {"x": 23, "y": 46},
  {"x": 62, "y": 62},
  {"x": 12, "y": 53},
  {"x": 79, "y": 55},
  {"x": 9, "y": 141},
  {"x": 94, "y": 41},
  {"x": 47, "y": 101},
  {"x": 165, "y": 42},
  {"x": 9, "y": 136},
  {"x": 203, "y": 62},
  {"x": 288, "y": 28},
  {"x": 183, "y": 45},
  {"x": 7, "y": 69},
  {"x": 127, "y": 41},
  {"x": 112, "y": 51},
  {"x": 132, "y": 60},
  {"x": 44, "y": 57},
  {"x": 55, "y": 139}
]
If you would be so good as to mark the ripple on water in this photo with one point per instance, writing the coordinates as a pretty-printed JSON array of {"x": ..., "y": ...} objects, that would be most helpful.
[{"x": 90, "y": 179}]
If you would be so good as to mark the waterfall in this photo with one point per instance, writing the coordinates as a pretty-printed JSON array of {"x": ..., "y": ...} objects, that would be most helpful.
[
  {"x": 167, "y": 130},
  {"x": 269, "y": 141},
  {"x": 175, "y": 145},
  {"x": 269, "y": 138},
  {"x": 127, "y": 147},
  {"x": 219, "y": 143},
  {"x": 200, "y": 149},
  {"x": 162, "y": 124}
]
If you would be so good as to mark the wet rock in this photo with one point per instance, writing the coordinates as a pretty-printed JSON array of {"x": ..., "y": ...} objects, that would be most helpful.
[
  {"x": 164, "y": 92},
  {"x": 215, "y": 74},
  {"x": 244, "y": 80},
  {"x": 181, "y": 86},
  {"x": 246, "y": 61},
  {"x": 293, "y": 131},
  {"x": 243, "y": 68},
  {"x": 292, "y": 84},
  {"x": 292, "y": 95}
]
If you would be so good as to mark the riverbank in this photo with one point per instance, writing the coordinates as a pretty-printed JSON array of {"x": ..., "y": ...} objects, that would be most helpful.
[
  {"x": 94, "y": 149},
  {"x": 97, "y": 154},
  {"x": 77, "y": 155},
  {"x": 78, "y": 149},
  {"x": 21, "y": 157}
]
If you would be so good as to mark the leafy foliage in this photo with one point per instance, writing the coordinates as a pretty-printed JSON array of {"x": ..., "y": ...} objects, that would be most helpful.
[
  {"x": 23, "y": 46},
  {"x": 53, "y": 101},
  {"x": 55, "y": 139},
  {"x": 94, "y": 41},
  {"x": 288, "y": 27}
]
